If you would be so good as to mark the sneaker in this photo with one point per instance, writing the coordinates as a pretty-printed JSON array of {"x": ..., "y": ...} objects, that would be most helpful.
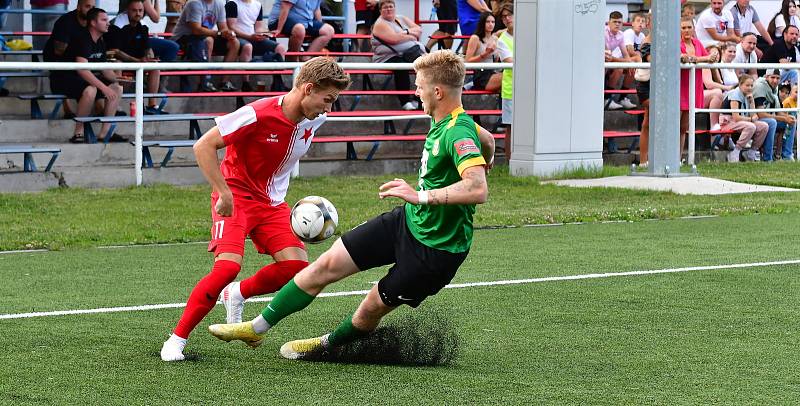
[
  {"x": 233, "y": 301},
  {"x": 627, "y": 103},
  {"x": 733, "y": 156},
  {"x": 207, "y": 86},
  {"x": 228, "y": 87},
  {"x": 715, "y": 145},
  {"x": 237, "y": 331},
  {"x": 412, "y": 105},
  {"x": 152, "y": 111},
  {"x": 77, "y": 139},
  {"x": 751, "y": 155},
  {"x": 303, "y": 349},
  {"x": 612, "y": 105},
  {"x": 172, "y": 350}
]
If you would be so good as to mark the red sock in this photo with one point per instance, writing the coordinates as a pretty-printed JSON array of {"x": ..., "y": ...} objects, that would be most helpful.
[
  {"x": 271, "y": 278},
  {"x": 204, "y": 295}
]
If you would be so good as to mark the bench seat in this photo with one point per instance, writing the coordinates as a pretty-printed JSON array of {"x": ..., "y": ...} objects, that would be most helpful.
[{"x": 28, "y": 164}]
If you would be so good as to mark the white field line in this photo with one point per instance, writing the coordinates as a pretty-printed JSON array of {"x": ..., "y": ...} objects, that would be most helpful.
[{"x": 451, "y": 286}]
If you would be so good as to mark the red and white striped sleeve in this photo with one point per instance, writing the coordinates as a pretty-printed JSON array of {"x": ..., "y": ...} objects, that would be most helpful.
[{"x": 237, "y": 125}]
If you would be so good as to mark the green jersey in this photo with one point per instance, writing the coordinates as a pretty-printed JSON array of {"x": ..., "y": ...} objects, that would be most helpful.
[{"x": 452, "y": 146}]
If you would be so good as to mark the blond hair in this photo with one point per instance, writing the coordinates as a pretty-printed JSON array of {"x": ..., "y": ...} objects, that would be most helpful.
[
  {"x": 323, "y": 72},
  {"x": 442, "y": 68}
]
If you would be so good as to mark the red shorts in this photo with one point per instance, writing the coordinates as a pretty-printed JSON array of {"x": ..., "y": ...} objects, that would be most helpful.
[{"x": 268, "y": 226}]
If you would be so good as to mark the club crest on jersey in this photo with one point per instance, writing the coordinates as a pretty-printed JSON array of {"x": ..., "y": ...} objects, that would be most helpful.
[
  {"x": 435, "y": 149},
  {"x": 465, "y": 147}
]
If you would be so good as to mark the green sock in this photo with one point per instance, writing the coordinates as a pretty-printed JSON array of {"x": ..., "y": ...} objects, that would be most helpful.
[
  {"x": 345, "y": 332},
  {"x": 290, "y": 299}
]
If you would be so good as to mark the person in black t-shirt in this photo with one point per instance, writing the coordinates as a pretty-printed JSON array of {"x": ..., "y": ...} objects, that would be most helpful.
[
  {"x": 130, "y": 44},
  {"x": 83, "y": 85},
  {"x": 784, "y": 49}
]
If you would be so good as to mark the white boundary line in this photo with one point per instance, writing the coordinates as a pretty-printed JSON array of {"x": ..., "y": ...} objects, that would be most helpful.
[{"x": 451, "y": 286}]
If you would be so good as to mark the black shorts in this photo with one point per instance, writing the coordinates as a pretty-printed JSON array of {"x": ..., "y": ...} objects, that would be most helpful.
[
  {"x": 643, "y": 91},
  {"x": 448, "y": 10},
  {"x": 73, "y": 86},
  {"x": 419, "y": 271},
  {"x": 367, "y": 17}
]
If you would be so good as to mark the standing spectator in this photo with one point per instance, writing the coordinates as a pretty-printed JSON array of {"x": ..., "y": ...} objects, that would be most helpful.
[
  {"x": 445, "y": 10},
  {"x": 196, "y": 34},
  {"x": 366, "y": 14},
  {"x": 481, "y": 49},
  {"x": 505, "y": 51},
  {"x": 745, "y": 19},
  {"x": 164, "y": 49},
  {"x": 765, "y": 94},
  {"x": 246, "y": 20},
  {"x": 746, "y": 124},
  {"x": 643, "y": 94},
  {"x": 787, "y": 14},
  {"x": 45, "y": 22},
  {"x": 746, "y": 53},
  {"x": 787, "y": 148},
  {"x": 298, "y": 18},
  {"x": 715, "y": 24},
  {"x": 83, "y": 85},
  {"x": 784, "y": 50},
  {"x": 392, "y": 35},
  {"x": 615, "y": 42},
  {"x": 469, "y": 12},
  {"x": 130, "y": 44},
  {"x": 692, "y": 51}
]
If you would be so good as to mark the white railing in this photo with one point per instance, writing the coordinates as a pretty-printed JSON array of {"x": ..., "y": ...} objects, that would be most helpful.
[
  {"x": 693, "y": 110},
  {"x": 140, "y": 67}
]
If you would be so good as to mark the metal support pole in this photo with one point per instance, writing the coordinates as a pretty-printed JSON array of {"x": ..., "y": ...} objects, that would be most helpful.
[
  {"x": 690, "y": 138},
  {"x": 296, "y": 169},
  {"x": 665, "y": 100},
  {"x": 139, "y": 124},
  {"x": 797, "y": 114}
]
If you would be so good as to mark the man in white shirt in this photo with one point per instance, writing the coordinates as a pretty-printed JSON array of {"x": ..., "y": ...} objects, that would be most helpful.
[
  {"x": 715, "y": 24},
  {"x": 746, "y": 53},
  {"x": 246, "y": 19},
  {"x": 745, "y": 19}
]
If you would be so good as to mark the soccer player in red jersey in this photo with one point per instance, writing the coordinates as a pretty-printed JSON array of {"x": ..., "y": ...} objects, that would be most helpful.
[{"x": 263, "y": 141}]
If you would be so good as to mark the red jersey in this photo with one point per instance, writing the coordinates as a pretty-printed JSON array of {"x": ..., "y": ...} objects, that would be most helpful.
[{"x": 262, "y": 147}]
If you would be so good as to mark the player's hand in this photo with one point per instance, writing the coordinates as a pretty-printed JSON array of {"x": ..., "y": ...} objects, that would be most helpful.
[
  {"x": 489, "y": 164},
  {"x": 400, "y": 189},
  {"x": 224, "y": 206}
]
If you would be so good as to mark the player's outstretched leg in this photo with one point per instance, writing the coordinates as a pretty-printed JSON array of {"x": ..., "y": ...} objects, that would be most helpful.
[
  {"x": 201, "y": 301},
  {"x": 330, "y": 267},
  {"x": 267, "y": 280}
]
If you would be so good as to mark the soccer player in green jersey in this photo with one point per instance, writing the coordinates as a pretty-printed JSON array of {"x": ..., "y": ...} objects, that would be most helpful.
[{"x": 426, "y": 239}]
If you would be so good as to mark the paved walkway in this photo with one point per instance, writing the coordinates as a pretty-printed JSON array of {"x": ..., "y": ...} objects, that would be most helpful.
[{"x": 693, "y": 185}]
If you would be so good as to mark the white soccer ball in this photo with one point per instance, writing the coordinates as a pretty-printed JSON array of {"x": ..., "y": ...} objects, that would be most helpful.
[{"x": 314, "y": 219}]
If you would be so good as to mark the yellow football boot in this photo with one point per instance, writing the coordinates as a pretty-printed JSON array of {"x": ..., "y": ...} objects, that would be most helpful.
[
  {"x": 300, "y": 349},
  {"x": 237, "y": 331}
]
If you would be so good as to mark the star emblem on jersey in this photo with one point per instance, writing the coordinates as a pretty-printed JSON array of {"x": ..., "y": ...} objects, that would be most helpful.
[
  {"x": 273, "y": 136},
  {"x": 307, "y": 135}
]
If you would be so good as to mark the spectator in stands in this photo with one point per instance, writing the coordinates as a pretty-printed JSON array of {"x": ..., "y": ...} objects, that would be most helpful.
[
  {"x": 469, "y": 12},
  {"x": 787, "y": 146},
  {"x": 615, "y": 41},
  {"x": 788, "y": 13},
  {"x": 632, "y": 38},
  {"x": 445, "y": 10},
  {"x": 505, "y": 51},
  {"x": 746, "y": 124},
  {"x": 745, "y": 19},
  {"x": 687, "y": 10},
  {"x": 726, "y": 76},
  {"x": 713, "y": 92},
  {"x": 784, "y": 50},
  {"x": 692, "y": 51},
  {"x": 83, "y": 85},
  {"x": 642, "y": 77},
  {"x": 746, "y": 53},
  {"x": 393, "y": 36},
  {"x": 45, "y": 22},
  {"x": 366, "y": 14},
  {"x": 298, "y": 18},
  {"x": 246, "y": 20},
  {"x": 196, "y": 34},
  {"x": 481, "y": 49},
  {"x": 173, "y": 6},
  {"x": 164, "y": 49},
  {"x": 765, "y": 94},
  {"x": 715, "y": 24},
  {"x": 130, "y": 44}
]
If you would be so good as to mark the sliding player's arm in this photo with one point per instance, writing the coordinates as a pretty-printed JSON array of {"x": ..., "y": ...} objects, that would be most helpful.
[
  {"x": 471, "y": 189},
  {"x": 487, "y": 146},
  {"x": 205, "y": 151}
]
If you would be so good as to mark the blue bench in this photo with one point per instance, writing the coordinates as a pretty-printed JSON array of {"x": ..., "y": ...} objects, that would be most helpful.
[
  {"x": 147, "y": 159},
  {"x": 192, "y": 118},
  {"x": 28, "y": 151}
]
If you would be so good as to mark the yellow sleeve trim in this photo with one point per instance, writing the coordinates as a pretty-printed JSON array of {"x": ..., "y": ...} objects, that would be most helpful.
[{"x": 470, "y": 163}]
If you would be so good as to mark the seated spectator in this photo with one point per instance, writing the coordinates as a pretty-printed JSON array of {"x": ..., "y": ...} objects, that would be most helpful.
[
  {"x": 469, "y": 12},
  {"x": 632, "y": 40},
  {"x": 83, "y": 85},
  {"x": 787, "y": 13},
  {"x": 366, "y": 14},
  {"x": 392, "y": 36},
  {"x": 246, "y": 20},
  {"x": 765, "y": 94},
  {"x": 505, "y": 51},
  {"x": 687, "y": 10},
  {"x": 45, "y": 22},
  {"x": 298, "y": 18},
  {"x": 784, "y": 50},
  {"x": 163, "y": 49},
  {"x": 615, "y": 42},
  {"x": 787, "y": 144},
  {"x": 713, "y": 92},
  {"x": 445, "y": 10},
  {"x": 745, "y": 19},
  {"x": 173, "y": 6},
  {"x": 130, "y": 44},
  {"x": 726, "y": 76},
  {"x": 746, "y": 53},
  {"x": 481, "y": 49},
  {"x": 196, "y": 34},
  {"x": 692, "y": 51},
  {"x": 715, "y": 24},
  {"x": 747, "y": 125}
]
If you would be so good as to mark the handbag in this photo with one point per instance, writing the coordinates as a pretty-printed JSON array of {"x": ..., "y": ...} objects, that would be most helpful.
[
  {"x": 642, "y": 75},
  {"x": 409, "y": 55}
]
